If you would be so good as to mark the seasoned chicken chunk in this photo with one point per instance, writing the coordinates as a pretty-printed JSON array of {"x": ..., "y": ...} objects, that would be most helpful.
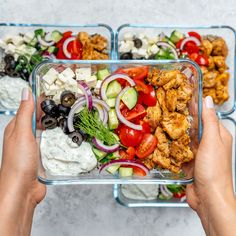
[
  {"x": 184, "y": 92},
  {"x": 171, "y": 100},
  {"x": 222, "y": 94},
  {"x": 206, "y": 46},
  {"x": 220, "y": 63},
  {"x": 99, "y": 42},
  {"x": 160, "y": 159},
  {"x": 209, "y": 79},
  {"x": 222, "y": 79},
  {"x": 219, "y": 47},
  {"x": 163, "y": 142},
  {"x": 175, "y": 124},
  {"x": 161, "y": 98}
]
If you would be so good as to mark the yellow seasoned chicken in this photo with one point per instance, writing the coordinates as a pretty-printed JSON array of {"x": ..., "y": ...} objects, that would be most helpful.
[
  {"x": 209, "y": 79},
  {"x": 171, "y": 99},
  {"x": 219, "y": 47}
]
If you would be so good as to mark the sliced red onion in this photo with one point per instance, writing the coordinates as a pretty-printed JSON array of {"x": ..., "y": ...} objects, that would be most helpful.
[
  {"x": 109, "y": 79},
  {"x": 183, "y": 199},
  {"x": 125, "y": 162},
  {"x": 102, "y": 113},
  {"x": 102, "y": 103},
  {"x": 99, "y": 144},
  {"x": 49, "y": 55},
  {"x": 65, "y": 45},
  {"x": 167, "y": 45},
  {"x": 120, "y": 116},
  {"x": 44, "y": 43},
  {"x": 192, "y": 39},
  {"x": 166, "y": 192},
  {"x": 88, "y": 94}
]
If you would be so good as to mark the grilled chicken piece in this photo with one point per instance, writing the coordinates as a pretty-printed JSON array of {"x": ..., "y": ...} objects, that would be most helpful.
[
  {"x": 219, "y": 47},
  {"x": 163, "y": 142},
  {"x": 99, "y": 42},
  {"x": 160, "y": 159},
  {"x": 222, "y": 79},
  {"x": 184, "y": 92},
  {"x": 175, "y": 124},
  {"x": 171, "y": 100},
  {"x": 222, "y": 94},
  {"x": 210, "y": 92},
  {"x": 209, "y": 79},
  {"x": 206, "y": 46},
  {"x": 161, "y": 97},
  {"x": 220, "y": 63}
]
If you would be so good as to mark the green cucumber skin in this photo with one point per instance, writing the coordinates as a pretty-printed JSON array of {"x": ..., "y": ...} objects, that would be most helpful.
[{"x": 130, "y": 98}]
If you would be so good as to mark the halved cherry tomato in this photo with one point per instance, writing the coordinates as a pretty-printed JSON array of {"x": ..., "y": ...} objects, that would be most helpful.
[
  {"x": 202, "y": 60},
  {"x": 145, "y": 126},
  {"x": 150, "y": 98},
  {"x": 129, "y": 154},
  {"x": 138, "y": 112},
  {"x": 60, "y": 54},
  {"x": 179, "y": 195},
  {"x": 178, "y": 44},
  {"x": 191, "y": 47},
  {"x": 67, "y": 34},
  {"x": 193, "y": 56},
  {"x": 130, "y": 137},
  {"x": 138, "y": 171},
  {"x": 141, "y": 86},
  {"x": 147, "y": 146},
  {"x": 194, "y": 34},
  {"x": 137, "y": 73}
]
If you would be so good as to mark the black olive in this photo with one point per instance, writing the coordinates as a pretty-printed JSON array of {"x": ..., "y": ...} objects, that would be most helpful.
[
  {"x": 24, "y": 76},
  {"x": 50, "y": 108},
  {"x": 49, "y": 122},
  {"x": 63, "y": 124},
  {"x": 63, "y": 111},
  {"x": 67, "y": 98},
  {"x": 15, "y": 74},
  {"x": 76, "y": 138},
  {"x": 8, "y": 58},
  {"x": 12, "y": 64},
  {"x": 8, "y": 70},
  {"x": 138, "y": 43},
  {"x": 126, "y": 56},
  {"x": 2, "y": 73}
]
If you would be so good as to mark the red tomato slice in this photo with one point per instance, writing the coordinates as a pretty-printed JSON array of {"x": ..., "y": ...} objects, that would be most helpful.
[
  {"x": 179, "y": 195},
  {"x": 137, "y": 73},
  {"x": 193, "y": 56},
  {"x": 191, "y": 47},
  {"x": 66, "y": 35},
  {"x": 202, "y": 60},
  {"x": 138, "y": 171},
  {"x": 138, "y": 112},
  {"x": 60, "y": 54},
  {"x": 129, "y": 154},
  {"x": 130, "y": 137},
  {"x": 147, "y": 146},
  {"x": 179, "y": 43},
  {"x": 150, "y": 98},
  {"x": 145, "y": 126},
  {"x": 194, "y": 34},
  {"x": 141, "y": 86}
]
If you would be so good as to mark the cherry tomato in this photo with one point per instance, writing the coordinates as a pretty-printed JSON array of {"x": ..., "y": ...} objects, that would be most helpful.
[
  {"x": 145, "y": 126},
  {"x": 129, "y": 154},
  {"x": 178, "y": 44},
  {"x": 60, "y": 54},
  {"x": 179, "y": 195},
  {"x": 130, "y": 137},
  {"x": 202, "y": 60},
  {"x": 193, "y": 56},
  {"x": 194, "y": 34},
  {"x": 138, "y": 171},
  {"x": 138, "y": 112},
  {"x": 191, "y": 47},
  {"x": 141, "y": 86},
  {"x": 147, "y": 146},
  {"x": 137, "y": 73},
  {"x": 150, "y": 98},
  {"x": 66, "y": 35}
]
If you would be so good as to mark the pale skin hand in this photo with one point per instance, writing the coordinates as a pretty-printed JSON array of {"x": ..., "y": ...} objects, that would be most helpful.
[
  {"x": 211, "y": 195},
  {"x": 20, "y": 190}
]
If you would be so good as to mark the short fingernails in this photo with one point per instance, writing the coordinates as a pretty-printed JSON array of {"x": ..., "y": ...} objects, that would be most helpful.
[
  {"x": 25, "y": 94},
  {"x": 209, "y": 102}
]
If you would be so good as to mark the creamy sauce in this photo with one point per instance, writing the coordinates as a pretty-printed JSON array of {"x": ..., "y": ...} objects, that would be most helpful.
[
  {"x": 60, "y": 156},
  {"x": 10, "y": 91},
  {"x": 140, "y": 192}
]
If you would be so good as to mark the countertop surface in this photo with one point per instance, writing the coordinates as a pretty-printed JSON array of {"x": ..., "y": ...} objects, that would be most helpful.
[{"x": 91, "y": 210}]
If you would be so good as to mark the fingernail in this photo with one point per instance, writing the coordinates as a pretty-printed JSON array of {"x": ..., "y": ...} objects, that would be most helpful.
[
  {"x": 25, "y": 94},
  {"x": 209, "y": 102}
]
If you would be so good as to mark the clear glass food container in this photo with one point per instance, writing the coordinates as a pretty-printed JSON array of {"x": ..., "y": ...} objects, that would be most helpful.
[
  {"x": 123, "y": 200},
  {"x": 226, "y": 32},
  {"x": 10, "y": 29},
  {"x": 164, "y": 177}
]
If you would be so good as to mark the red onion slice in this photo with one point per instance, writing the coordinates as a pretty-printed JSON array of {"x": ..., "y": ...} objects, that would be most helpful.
[
  {"x": 109, "y": 79},
  {"x": 102, "y": 113},
  {"x": 65, "y": 45},
  {"x": 102, "y": 103},
  {"x": 167, "y": 45},
  {"x": 125, "y": 162},
  {"x": 88, "y": 94},
  {"x": 192, "y": 39},
  {"x": 98, "y": 144},
  {"x": 120, "y": 116},
  {"x": 44, "y": 43},
  {"x": 165, "y": 192}
]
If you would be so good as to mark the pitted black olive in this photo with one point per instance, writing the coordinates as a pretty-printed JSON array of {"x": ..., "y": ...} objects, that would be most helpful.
[
  {"x": 49, "y": 122},
  {"x": 63, "y": 124},
  {"x": 8, "y": 58},
  {"x": 138, "y": 43},
  {"x": 67, "y": 98},
  {"x": 50, "y": 108},
  {"x": 63, "y": 111},
  {"x": 126, "y": 56},
  {"x": 76, "y": 138}
]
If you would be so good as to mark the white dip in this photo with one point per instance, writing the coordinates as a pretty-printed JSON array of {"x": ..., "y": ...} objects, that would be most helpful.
[
  {"x": 60, "y": 156},
  {"x": 10, "y": 91},
  {"x": 140, "y": 192}
]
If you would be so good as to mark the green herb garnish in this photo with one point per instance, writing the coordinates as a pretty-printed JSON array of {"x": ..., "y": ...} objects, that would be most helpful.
[{"x": 90, "y": 124}]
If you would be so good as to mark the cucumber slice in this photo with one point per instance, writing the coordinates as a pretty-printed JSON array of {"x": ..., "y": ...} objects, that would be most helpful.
[
  {"x": 52, "y": 49},
  {"x": 111, "y": 102},
  {"x": 112, "y": 169},
  {"x": 176, "y": 36},
  {"x": 113, "y": 89},
  {"x": 126, "y": 171},
  {"x": 99, "y": 154},
  {"x": 112, "y": 119},
  {"x": 130, "y": 98},
  {"x": 56, "y": 36},
  {"x": 116, "y": 137},
  {"x": 102, "y": 74}
]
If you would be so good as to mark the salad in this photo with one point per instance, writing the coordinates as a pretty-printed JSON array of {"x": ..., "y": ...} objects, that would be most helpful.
[
  {"x": 208, "y": 51},
  {"x": 22, "y": 52},
  {"x": 134, "y": 120}
]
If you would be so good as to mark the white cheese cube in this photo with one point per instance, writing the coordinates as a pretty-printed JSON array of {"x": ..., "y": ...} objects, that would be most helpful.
[
  {"x": 28, "y": 36},
  {"x": 57, "y": 96},
  {"x": 68, "y": 73},
  {"x": 141, "y": 36},
  {"x": 2, "y": 44},
  {"x": 30, "y": 50},
  {"x": 152, "y": 40},
  {"x": 128, "y": 36},
  {"x": 49, "y": 79},
  {"x": 138, "y": 53},
  {"x": 59, "y": 83},
  {"x": 92, "y": 81},
  {"x": 73, "y": 89},
  {"x": 52, "y": 72},
  {"x": 8, "y": 39},
  {"x": 83, "y": 73},
  {"x": 53, "y": 89},
  {"x": 98, "y": 86},
  {"x": 17, "y": 40},
  {"x": 62, "y": 78},
  {"x": 71, "y": 82},
  {"x": 126, "y": 46},
  {"x": 144, "y": 43},
  {"x": 153, "y": 49},
  {"x": 10, "y": 48}
]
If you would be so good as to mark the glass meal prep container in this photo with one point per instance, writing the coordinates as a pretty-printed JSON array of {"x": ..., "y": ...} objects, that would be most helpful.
[
  {"x": 8, "y": 30},
  {"x": 226, "y": 32},
  {"x": 130, "y": 201},
  {"x": 93, "y": 177}
]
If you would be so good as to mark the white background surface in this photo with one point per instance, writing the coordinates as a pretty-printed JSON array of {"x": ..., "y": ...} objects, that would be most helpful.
[{"x": 91, "y": 210}]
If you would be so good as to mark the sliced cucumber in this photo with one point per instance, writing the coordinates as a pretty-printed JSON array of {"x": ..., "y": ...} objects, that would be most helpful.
[
  {"x": 99, "y": 154},
  {"x": 111, "y": 102},
  {"x": 56, "y": 36},
  {"x": 102, "y": 74},
  {"x": 176, "y": 36},
  {"x": 113, "y": 89},
  {"x": 112, "y": 119},
  {"x": 39, "y": 32},
  {"x": 116, "y": 137},
  {"x": 126, "y": 171},
  {"x": 52, "y": 49},
  {"x": 130, "y": 98},
  {"x": 112, "y": 169}
]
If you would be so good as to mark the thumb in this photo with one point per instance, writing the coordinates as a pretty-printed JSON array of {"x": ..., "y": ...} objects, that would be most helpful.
[
  {"x": 25, "y": 112},
  {"x": 210, "y": 120}
]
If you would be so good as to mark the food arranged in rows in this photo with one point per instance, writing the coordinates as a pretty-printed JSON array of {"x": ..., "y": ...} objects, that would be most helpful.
[
  {"x": 208, "y": 51},
  {"x": 22, "y": 52},
  {"x": 154, "y": 192},
  {"x": 128, "y": 122}
]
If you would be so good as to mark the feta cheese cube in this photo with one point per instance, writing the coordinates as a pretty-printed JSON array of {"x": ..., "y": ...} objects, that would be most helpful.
[
  {"x": 92, "y": 81},
  {"x": 128, "y": 36},
  {"x": 71, "y": 82},
  {"x": 8, "y": 39},
  {"x": 126, "y": 46},
  {"x": 83, "y": 73},
  {"x": 73, "y": 89},
  {"x": 53, "y": 89},
  {"x": 141, "y": 36},
  {"x": 51, "y": 76},
  {"x": 138, "y": 53},
  {"x": 153, "y": 40},
  {"x": 59, "y": 83},
  {"x": 98, "y": 86},
  {"x": 53, "y": 72},
  {"x": 68, "y": 73},
  {"x": 2, "y": 44},
  {"x": 28, "y": 37},
  {"x": 144, "y": 43},
  {"x": 10, "y": 48},
  {"x": 153, "y": 49},
  {"x": 17, "y": 40},
  {"x": 62, "y": 78},
  {"x": 30, "y": 50},
  {"x": 57, "y": 96}
]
